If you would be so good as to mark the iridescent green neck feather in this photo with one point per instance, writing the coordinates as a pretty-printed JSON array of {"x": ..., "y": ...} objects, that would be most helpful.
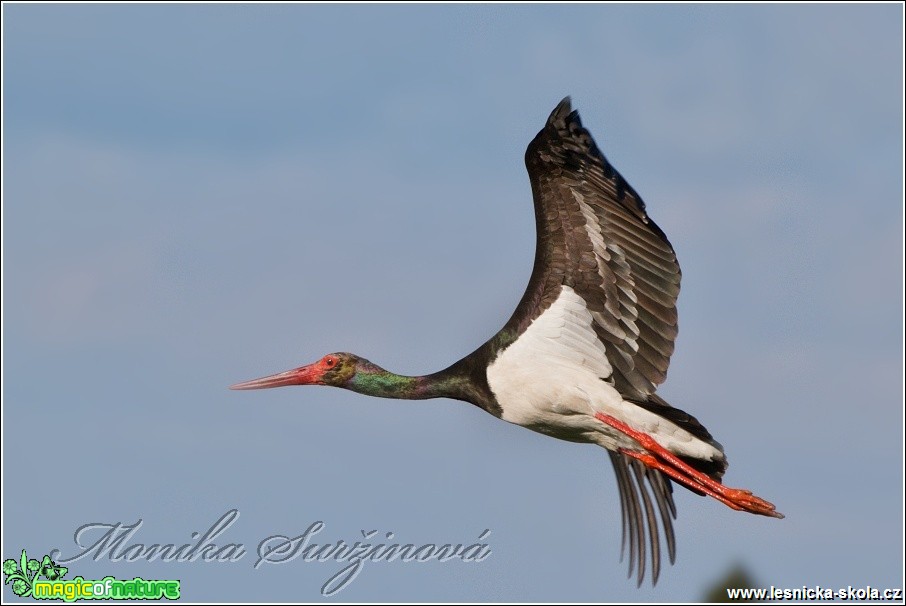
[
  {"x": 465, "y": 380},
  {"x": 370, "y": 379}
]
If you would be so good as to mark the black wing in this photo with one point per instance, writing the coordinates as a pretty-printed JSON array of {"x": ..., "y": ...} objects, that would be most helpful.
[
  {"x": 634, "y": 481},
  {"x": 595, "y": 237}
]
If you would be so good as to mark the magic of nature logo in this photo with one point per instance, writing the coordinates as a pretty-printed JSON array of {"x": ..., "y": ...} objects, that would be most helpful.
[{"x": 44, "y": 580}]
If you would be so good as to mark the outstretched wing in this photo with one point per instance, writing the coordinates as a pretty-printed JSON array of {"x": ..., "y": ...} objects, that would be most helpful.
[{"x": 595, "y": 237}]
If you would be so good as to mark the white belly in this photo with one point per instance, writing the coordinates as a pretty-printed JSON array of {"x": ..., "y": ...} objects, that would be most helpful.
[{"x": 553, "y": 380}]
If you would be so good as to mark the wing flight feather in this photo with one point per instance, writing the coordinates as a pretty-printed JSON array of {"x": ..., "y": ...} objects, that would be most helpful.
[{"x": 595, "y": 237}]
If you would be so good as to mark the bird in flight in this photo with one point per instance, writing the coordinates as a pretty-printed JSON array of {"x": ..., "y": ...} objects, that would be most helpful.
[{"x": 590, "y": 341}]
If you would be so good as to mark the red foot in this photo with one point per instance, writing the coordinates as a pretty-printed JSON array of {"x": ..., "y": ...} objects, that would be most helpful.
[{"x": 660, "y": 458}]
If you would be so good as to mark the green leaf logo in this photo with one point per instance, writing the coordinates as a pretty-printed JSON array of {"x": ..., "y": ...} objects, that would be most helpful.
[
  {"x": 23, "y": 574},
  {"x": 51, "y": 571}
]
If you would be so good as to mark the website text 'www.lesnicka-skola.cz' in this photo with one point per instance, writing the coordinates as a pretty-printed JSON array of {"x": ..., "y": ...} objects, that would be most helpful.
[{"x": 817, "y": 592}]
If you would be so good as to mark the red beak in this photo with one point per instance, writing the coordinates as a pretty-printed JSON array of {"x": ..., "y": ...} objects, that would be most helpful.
[{"x": 305, "y": 375}]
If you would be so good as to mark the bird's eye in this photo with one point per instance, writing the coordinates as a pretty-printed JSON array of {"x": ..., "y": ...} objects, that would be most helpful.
[{"x": 330, "y": 361}]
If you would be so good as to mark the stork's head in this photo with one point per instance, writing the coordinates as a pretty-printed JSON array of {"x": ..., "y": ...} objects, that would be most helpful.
[{"x": 336, "y": 369}]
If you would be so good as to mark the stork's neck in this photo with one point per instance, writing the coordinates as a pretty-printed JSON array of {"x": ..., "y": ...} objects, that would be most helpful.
[{"x": 372, "y": 380}]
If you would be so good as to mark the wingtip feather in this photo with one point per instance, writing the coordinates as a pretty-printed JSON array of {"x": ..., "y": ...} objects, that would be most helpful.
[{"x": 563, "y": 109}]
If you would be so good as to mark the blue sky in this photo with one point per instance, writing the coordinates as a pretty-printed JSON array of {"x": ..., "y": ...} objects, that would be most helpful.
[{"x": 199, "y": 194}]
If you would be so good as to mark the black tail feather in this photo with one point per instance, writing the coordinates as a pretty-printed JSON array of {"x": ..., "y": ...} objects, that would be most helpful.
[{"x": 656, "y": 404}]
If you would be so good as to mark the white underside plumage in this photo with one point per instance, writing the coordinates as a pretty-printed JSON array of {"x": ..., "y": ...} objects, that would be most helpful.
[{"x": 550, "y": 380}]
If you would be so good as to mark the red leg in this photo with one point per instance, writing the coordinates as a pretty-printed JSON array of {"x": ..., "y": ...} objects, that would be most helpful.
[
  {"x": 686, "y": 475},
  {"x": 650, "y": 461}
]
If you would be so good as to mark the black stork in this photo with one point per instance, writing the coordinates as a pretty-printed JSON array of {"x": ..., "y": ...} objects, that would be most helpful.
[{"x": 587, "y": 346}]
